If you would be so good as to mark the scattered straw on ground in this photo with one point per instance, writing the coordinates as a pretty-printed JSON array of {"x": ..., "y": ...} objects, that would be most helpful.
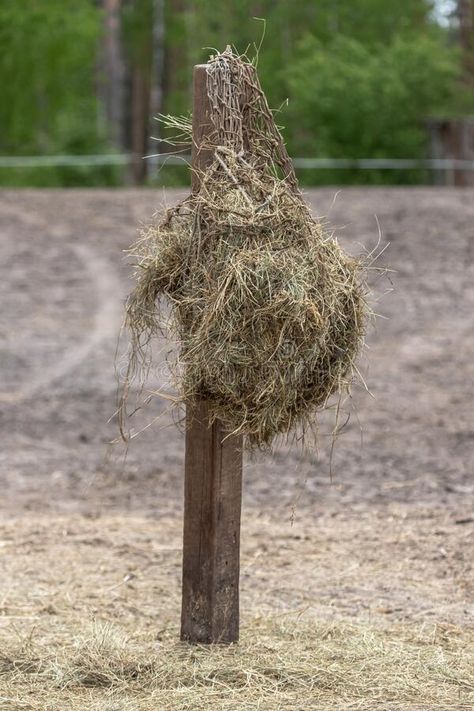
[
  {"x": 279, "y": 664},
  {"x": 90, "y": 608},
  {"x": 269, "y": 311}
]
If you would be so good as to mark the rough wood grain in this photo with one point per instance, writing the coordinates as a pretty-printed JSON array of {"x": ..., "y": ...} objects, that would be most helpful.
[{"x": 213, "y": 485}]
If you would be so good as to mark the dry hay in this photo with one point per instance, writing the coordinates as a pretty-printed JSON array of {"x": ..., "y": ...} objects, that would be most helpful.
[
  {"x": 268, "y": 310},
  {"x": 282, "y": 663},
  {"x": 89, "y": 610}
]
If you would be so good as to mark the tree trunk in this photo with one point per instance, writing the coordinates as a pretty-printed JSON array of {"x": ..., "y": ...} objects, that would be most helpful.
[
  {"x": 157, "y": 78},
  {"x": 139, "y": 127},
  {"x": 465, "y": 12},
  {"x": 175, "y": 57},
  {"x": 112, "y": 74}
]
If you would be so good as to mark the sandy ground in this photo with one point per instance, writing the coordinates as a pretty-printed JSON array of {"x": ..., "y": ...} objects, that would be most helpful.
[
  {"x": 388, "y": 541},
  {"x": 350, "y": 612},
  {"x": 62, "y": 288}
]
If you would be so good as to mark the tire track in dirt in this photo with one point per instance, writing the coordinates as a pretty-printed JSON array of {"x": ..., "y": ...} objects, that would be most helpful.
[{"x": 106, "y": 325}]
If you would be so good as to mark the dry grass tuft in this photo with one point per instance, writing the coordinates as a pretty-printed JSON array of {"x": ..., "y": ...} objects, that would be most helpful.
[
  {"x": 269, "y": 311},
  {"x": 280, "y": 664},
  {"x": 89, "y": 610}
]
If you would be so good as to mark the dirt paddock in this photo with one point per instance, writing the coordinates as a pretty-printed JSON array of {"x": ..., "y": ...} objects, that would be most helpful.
[{"x": 357, "y": 589}]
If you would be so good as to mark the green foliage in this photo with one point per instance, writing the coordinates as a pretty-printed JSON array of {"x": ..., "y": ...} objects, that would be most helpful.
[
  {"x": 47, "y": 75},
  {"x": 350, "y": 100},
  {"x": 205, "y": 24},
  {"x": 137, "y": 24},
  {"x": 361, "y": 76}
]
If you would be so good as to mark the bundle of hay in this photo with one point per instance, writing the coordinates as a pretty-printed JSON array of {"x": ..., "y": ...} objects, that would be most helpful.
[{"x": 268, "y": 310}]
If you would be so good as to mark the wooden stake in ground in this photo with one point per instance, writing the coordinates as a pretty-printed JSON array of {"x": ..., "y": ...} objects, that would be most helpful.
[{"x": 213, "y": 484}]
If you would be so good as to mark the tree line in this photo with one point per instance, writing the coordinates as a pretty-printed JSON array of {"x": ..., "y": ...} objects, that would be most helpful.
[{"x": 350, "y": 78}]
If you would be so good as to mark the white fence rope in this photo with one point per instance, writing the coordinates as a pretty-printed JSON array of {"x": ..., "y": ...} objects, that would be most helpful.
[{"x": 301, "y": 163}]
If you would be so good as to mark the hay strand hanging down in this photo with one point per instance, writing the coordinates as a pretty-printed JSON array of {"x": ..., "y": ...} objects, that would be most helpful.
[{"x": 268, "y": 310}]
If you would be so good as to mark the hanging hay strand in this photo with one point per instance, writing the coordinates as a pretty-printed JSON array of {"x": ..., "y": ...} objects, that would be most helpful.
[{"x": 268, "y": 310}]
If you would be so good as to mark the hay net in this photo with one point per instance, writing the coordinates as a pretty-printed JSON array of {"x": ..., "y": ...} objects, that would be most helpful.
[{"x": 269, "y": 312}]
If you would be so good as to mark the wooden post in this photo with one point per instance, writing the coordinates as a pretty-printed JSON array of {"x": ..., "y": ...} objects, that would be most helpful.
[{"x": 213, "y": 483}]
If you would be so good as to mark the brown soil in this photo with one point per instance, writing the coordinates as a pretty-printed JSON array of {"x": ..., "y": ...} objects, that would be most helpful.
[
  {"x": 388, "y": 541},
  {"x": 64, "y": 280}
]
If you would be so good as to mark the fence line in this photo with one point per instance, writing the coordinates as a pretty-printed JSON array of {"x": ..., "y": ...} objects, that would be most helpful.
[
  {"x": 301, "y": 163},
  {"x": 84, "y": 160},
  {"x": 385, "y": 163}
]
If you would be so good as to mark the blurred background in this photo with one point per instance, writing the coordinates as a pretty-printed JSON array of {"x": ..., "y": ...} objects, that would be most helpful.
[{"x": 368, "y": 92}]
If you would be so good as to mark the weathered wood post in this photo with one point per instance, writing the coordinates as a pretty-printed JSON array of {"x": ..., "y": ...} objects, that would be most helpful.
[{"x": 213, "y": 482}]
